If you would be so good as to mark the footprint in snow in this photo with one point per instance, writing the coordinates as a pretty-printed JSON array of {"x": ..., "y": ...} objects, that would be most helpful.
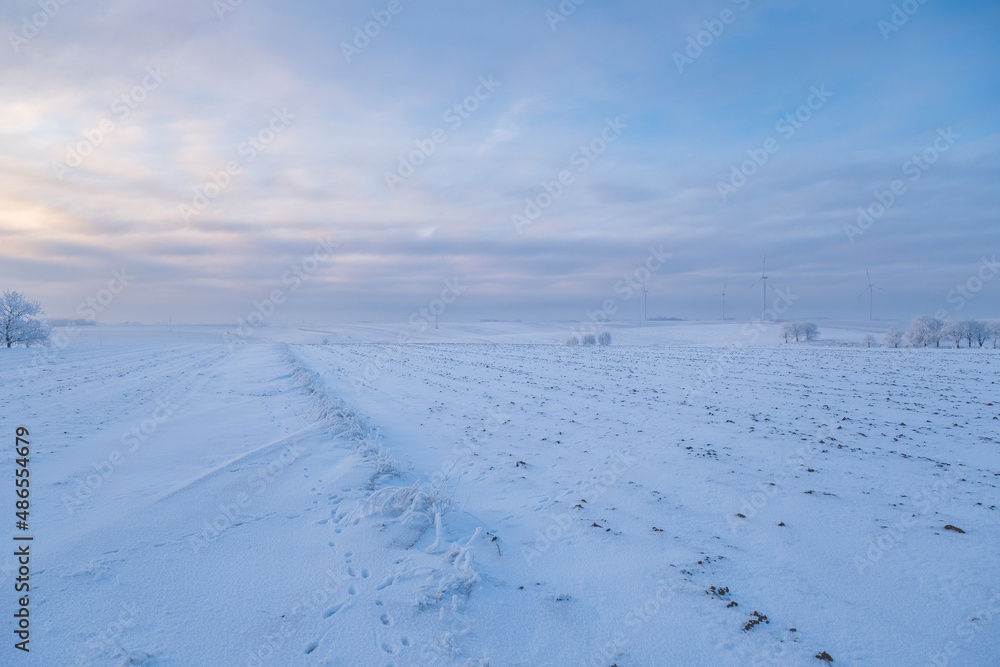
[{"x": 334, "y": 609}]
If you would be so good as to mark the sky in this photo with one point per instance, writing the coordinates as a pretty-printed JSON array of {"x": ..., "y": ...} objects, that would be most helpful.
[{"x": 201, "y": 160}]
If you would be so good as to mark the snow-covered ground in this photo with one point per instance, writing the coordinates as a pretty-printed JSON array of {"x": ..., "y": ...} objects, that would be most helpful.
[
  {"x": 483, "y": 495},
  {"x": 673, "y": 333}
]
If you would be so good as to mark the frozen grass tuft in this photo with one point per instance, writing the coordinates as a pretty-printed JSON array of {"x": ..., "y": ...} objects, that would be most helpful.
[
  {"x": 455, "y": 579},
  {"x": 406, "y": 503},
  {"x": 345, "y": 422}
]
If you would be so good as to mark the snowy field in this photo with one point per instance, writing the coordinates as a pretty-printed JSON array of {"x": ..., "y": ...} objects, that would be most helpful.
[{"x": 482, "y": 495}]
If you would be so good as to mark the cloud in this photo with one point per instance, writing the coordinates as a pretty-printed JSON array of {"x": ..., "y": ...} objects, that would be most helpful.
[
  {"x": 506, "y": 128},
  {"x": 354, "y": 122}
]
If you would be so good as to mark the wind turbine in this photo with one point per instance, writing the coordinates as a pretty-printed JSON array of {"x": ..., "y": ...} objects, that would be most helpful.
[
  {"x": 871, "y": 294},
  {"x": 644, "y": 294},
  {"x": 723, "y": 295},
  {"x": 762, "y": 279}
]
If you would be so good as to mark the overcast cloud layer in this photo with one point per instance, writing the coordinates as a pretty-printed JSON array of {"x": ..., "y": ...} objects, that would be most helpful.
[{"x": 209, "y": 148}]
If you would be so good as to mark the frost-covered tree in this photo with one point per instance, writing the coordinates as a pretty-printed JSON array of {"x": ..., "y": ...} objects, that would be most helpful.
[
  {"x": 799, "y": 331},
  {"x": 869, "y": 341},
  {"x": 925, "y": 331},
  {"x": 604, "y": 338},
  {"x": 572, "y": 341},
  {"x": 993, "y": 330},
  {"x": 915, "y": 335},
  {"x": 19, "y": 324},
  {"x": 977, "y": 331},
  {"x": 588, "y": 339},
  {"x": 966, "y": 330},
  {"x": 935, "y": 331},
  {"x": 953, "y": 331},
  {"x": 892, "y": 338}
]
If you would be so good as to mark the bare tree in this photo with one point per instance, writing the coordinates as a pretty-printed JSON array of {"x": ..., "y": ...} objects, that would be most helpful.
[
  {"x": 604, "y": 338},
  {"x": 571, "y": 341},
  {"x": 810, "y": 331},
  {"x": 588, "y": 339},
  {"x": 869, "y": 341},
  {"x": 892, "y": 338},
  {"x": 19, "y": 324},
  {"x": 787, "y": 331}
]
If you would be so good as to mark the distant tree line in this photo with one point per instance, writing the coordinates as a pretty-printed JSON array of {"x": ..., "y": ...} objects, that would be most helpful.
[
  {"x": 799, "y": 331},
  {"x": 927, "y": 331},
  {"x": 603, "y": 338},
  {"x": 68, "y": 322}
]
